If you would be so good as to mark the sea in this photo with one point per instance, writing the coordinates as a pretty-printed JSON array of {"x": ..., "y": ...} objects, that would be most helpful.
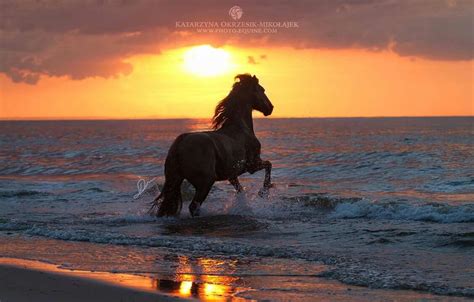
[{"x": 375, "y": 203}]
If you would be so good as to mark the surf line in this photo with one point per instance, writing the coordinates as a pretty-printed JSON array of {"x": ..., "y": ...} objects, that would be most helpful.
[{"x": 316, "y": 275}]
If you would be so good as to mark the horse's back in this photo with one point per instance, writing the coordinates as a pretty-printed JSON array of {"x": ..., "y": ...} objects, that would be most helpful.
[{"x": 206, "y": 153}]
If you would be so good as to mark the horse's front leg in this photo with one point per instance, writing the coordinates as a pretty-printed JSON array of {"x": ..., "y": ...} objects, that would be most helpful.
[
  {"x": 267, "y": 182},
  {"x": 235, "y": 182}
]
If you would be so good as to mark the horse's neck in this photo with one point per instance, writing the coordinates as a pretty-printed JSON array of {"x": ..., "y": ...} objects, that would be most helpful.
[
  {"x": 241, "y": 125},
  {"x": 247, "y": 120}
]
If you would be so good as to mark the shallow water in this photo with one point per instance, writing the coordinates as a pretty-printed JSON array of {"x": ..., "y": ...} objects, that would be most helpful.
[{"x": 382, "y": 203}]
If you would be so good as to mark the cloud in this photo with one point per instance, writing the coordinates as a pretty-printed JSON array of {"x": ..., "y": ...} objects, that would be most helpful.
[
  {"x": 81, "y": 39},
  {"x": 252, "y": 61},
  {"x": 26, "y": 56}
]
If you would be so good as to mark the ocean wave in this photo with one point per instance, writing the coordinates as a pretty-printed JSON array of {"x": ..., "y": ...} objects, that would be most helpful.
[
  {"x": 460, "y": 240},
  {"x": 320, "y": 201},
  {"x": 375, "y": 278},
  {"x": 441, "y": 213},
  {"x": 460, "y": 243},
  {"x": 22, "y": 193},
  {"x": 7, "y": 225},
  {"x": 121, "y": 220},
  {"x": 195, "y": 244},
  {"x": 314, "y": 205}
]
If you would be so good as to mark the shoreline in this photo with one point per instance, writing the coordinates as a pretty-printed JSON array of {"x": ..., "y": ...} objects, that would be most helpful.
[{"x": 31, "y": 280}]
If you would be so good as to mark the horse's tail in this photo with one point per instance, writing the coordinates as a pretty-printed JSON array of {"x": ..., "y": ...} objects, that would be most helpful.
[{"x": 169, "y": 202}]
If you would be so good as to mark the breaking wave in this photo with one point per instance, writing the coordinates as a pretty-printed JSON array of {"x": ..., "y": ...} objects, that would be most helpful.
[{"x": 434, "y": 212}]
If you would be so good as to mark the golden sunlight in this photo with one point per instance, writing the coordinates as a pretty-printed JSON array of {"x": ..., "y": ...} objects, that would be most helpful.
[
  {"x": 185, "y": 288},
  {"x": 207, "y": 61}
]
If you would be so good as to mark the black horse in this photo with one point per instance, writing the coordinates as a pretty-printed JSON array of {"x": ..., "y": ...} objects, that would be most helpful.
[{"x": 232, "y": 149}]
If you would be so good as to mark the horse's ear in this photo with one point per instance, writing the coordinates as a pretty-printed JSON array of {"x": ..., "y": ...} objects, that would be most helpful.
[
  {"x": 255, "y": 78},
  {"x": 237, "y": 82}
]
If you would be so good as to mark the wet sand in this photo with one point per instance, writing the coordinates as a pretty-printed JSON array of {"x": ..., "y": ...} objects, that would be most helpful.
[{"x": 24, "y": 280}]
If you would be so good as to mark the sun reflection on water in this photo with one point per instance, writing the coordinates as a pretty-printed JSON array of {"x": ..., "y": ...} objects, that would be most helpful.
[
  {"x": 185, "y": 288},
  {"x": 203, "y": 279}
]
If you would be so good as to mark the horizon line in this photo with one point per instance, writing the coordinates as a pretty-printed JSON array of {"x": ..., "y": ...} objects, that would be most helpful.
[{"x": 99, "y": 118}]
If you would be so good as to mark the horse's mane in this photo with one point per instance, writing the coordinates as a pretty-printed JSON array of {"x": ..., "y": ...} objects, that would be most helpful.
[{"x": 228, "y": 106}]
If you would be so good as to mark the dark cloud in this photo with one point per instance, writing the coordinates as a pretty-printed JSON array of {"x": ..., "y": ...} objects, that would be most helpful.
[
  {"x": 82, "y": 39},
  {"x": 251, "y": 60}
]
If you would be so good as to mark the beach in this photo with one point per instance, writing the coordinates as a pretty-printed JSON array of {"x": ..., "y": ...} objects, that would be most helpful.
[{"x": 27, "y": 280}]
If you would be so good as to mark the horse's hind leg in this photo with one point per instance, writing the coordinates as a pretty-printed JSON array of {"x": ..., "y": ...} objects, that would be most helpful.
[
  {"x": 202, "y": 190},
  {"x": 235, "y": 182}
]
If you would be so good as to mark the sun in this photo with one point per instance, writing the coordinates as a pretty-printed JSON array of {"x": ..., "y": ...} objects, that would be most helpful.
[{"x": 207, "y": 61}]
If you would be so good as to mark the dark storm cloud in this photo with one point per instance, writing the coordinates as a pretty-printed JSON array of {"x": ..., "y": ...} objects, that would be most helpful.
[{"x": 82, "y": 39}]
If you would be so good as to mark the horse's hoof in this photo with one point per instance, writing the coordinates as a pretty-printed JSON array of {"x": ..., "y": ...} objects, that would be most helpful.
[
  {"x": 263, "y": 193},
  {"x": 194, "y": 210}
]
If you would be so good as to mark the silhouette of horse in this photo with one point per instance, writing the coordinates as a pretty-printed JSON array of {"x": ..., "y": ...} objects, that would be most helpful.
[{"x": 232, "y": 149}]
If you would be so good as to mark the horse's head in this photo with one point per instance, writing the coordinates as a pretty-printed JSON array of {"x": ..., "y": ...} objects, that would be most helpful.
[
  {"x": 246, "y": 94},
  {"x": 255, "y": 93}
]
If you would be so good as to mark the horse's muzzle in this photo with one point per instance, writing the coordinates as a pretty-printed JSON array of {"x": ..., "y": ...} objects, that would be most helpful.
[{"x": 268, "y": 112}]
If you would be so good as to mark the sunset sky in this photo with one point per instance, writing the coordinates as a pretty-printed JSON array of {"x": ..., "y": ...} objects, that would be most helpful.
[{"x": 134, "y": 59}]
